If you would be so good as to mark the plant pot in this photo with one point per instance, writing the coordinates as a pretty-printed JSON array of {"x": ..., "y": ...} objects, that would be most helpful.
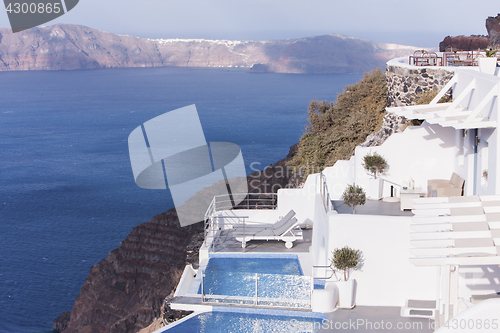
[
  {"x": 488, "y": 65},
  {"x": 375, "y": 188},
  {"x": 347, "y": 294}
]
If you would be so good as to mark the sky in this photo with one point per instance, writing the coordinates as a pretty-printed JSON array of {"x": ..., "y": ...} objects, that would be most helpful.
[{"x": 417, "y": 23}]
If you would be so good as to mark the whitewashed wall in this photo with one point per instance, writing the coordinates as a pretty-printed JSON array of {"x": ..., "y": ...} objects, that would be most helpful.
[
  {"x": 300, "y": 200},
  {"x": 387, "y": 278},
  {"x": 309, "y": 208},
  {"x": 421, "y": 153}
]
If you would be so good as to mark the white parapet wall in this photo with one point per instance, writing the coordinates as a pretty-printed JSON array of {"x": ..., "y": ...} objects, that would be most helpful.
[
  {"x": 386, "y": 276},
  {"x": 419, "y": 153}
]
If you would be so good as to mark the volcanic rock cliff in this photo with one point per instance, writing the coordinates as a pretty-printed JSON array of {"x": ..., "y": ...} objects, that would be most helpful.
[
  {"x": 125, "y": 291},
  {"x": 68, "y": 47},
  {"x": 467, "y": 43},
  {"x": 493, "y": 27},
  {"x": 474, "y": 42}
]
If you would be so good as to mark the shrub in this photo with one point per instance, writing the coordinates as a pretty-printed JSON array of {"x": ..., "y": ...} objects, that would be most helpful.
[
  {"x": 490, "y": 53},
  {"x": 345, "y": 259},
  {"x": 337, "y": 128},
  {"x": 353, "y": 196},
  {"x": 375, "y": 164},
  {"x": 427, "y": 96}
]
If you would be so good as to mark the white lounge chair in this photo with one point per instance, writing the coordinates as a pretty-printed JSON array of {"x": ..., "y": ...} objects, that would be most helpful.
[{"x": 286, "y": 229}]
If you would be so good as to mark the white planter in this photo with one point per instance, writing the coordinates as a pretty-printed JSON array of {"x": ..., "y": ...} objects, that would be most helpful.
[
  {"x": 347, "y": 294},
  {"x": 488, "y": 65},
  {"x": 375, "y": 187}
]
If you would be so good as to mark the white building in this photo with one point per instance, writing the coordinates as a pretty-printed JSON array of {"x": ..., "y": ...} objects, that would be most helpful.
[{"x": 436, "y": 264}]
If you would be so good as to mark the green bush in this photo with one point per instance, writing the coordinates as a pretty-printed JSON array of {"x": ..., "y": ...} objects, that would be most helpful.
[
  {"x": 374, "y": 164},
  {"x": 353, "y": 196},
  {"x": 337, "y": 128},
  {"x": 345, "y": 259}
]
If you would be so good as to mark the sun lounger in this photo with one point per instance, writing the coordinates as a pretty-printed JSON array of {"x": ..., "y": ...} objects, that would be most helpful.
[
  {"x": 238, "y": 229},
  {"x": 286, "y": 229}
]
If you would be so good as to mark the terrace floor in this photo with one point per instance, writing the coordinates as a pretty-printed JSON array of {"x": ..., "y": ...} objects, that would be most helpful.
[
  {"x": 374, "y": 319},
  {"x": 372, "y": 207},
  {"x": 230, "y": 244}
]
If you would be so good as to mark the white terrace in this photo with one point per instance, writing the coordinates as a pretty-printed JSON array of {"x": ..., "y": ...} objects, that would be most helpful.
[{"x": 434, "y": 264}]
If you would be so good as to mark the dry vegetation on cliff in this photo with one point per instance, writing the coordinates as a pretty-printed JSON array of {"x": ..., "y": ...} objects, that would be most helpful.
[{"x": 337, "y": 128}]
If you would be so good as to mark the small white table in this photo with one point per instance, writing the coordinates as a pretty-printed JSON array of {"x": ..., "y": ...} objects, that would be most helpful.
[{"x": 408, "y": 195}]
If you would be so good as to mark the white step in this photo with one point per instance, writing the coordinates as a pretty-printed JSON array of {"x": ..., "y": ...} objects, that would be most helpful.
[{"x": 419, "y": 309}]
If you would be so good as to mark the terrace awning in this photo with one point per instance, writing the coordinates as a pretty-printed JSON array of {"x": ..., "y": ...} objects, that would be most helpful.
[
  {"x": 454, "y": 114},
  {"x": 456, "y": 231}
]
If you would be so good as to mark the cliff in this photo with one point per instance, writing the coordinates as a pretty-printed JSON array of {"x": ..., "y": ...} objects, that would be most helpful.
[
  {"x": 467, "y": 43},
  {"x": 125, "y": 292},
  {"x": 493, "y": 28},
  {"x": 70, "y": 47},
  {"x": 474, "y": 42}
]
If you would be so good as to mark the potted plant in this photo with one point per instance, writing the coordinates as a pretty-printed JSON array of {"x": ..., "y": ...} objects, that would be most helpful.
[
  {"x": 375, "y": 164},
  {"x": 344, "y": 260},
  {"x": 354, "y": 196},
  {"x": 488, "y": 65}
]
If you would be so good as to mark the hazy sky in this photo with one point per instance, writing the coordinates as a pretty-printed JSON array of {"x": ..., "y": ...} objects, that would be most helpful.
[{"x": 417, "y": 23}]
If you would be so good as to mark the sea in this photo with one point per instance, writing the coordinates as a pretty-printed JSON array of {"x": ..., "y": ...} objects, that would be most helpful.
[{"x": 67, "y": 192}]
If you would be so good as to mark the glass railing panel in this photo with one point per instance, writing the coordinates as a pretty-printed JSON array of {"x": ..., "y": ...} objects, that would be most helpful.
[{"x": 257, "y": 289}]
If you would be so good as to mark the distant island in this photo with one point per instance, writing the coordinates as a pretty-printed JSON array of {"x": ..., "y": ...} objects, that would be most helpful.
[{"x": 73, "y": 47}]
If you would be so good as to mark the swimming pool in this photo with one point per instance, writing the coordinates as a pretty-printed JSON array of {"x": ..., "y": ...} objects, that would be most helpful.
[
  {"x": 265, "y": 264},
  {"x": 257, "y": 280},
  {"x": 249, "y": 320}
]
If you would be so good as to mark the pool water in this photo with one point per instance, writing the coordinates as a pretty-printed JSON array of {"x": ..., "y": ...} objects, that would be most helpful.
[
  {"x": 319, "y": 284},
  {"x": 215, "y": 322},
  {"x": 263, "y": 265},
  {"x": 267, "y": 280}
]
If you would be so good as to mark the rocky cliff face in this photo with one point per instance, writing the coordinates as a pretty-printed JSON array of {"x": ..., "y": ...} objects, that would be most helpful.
[
  {"x": 391, "y": 124},
  {"x": 493, "y": 28},
  {"x": 467, "y": 43},
  {"x": 125, "y": 292},
  {"x": 474, "y": 42},
  {"x": 67, "y": 47}
]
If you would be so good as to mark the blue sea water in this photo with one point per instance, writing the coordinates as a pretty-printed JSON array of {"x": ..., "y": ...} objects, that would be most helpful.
[{"x": 67, "y": 193}]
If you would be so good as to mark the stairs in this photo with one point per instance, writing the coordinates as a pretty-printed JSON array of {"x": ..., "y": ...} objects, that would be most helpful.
[{"x": 419, "y": 309}]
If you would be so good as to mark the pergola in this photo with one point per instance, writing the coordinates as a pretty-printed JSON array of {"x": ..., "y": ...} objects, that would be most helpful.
[
  {"x": 452, "y": 231},
  {"x": 472, "y": 107}
]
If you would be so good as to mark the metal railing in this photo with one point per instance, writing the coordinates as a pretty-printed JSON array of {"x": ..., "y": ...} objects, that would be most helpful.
[
  {"x": 326, "y": 275},
  {"x": 449, "y": 58},
  {"x": 424, "y": 58},
  {"x": 258, "y": 290},
  {"x": 325, "y": 195},
  {"x": 221, "y": 214}
]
